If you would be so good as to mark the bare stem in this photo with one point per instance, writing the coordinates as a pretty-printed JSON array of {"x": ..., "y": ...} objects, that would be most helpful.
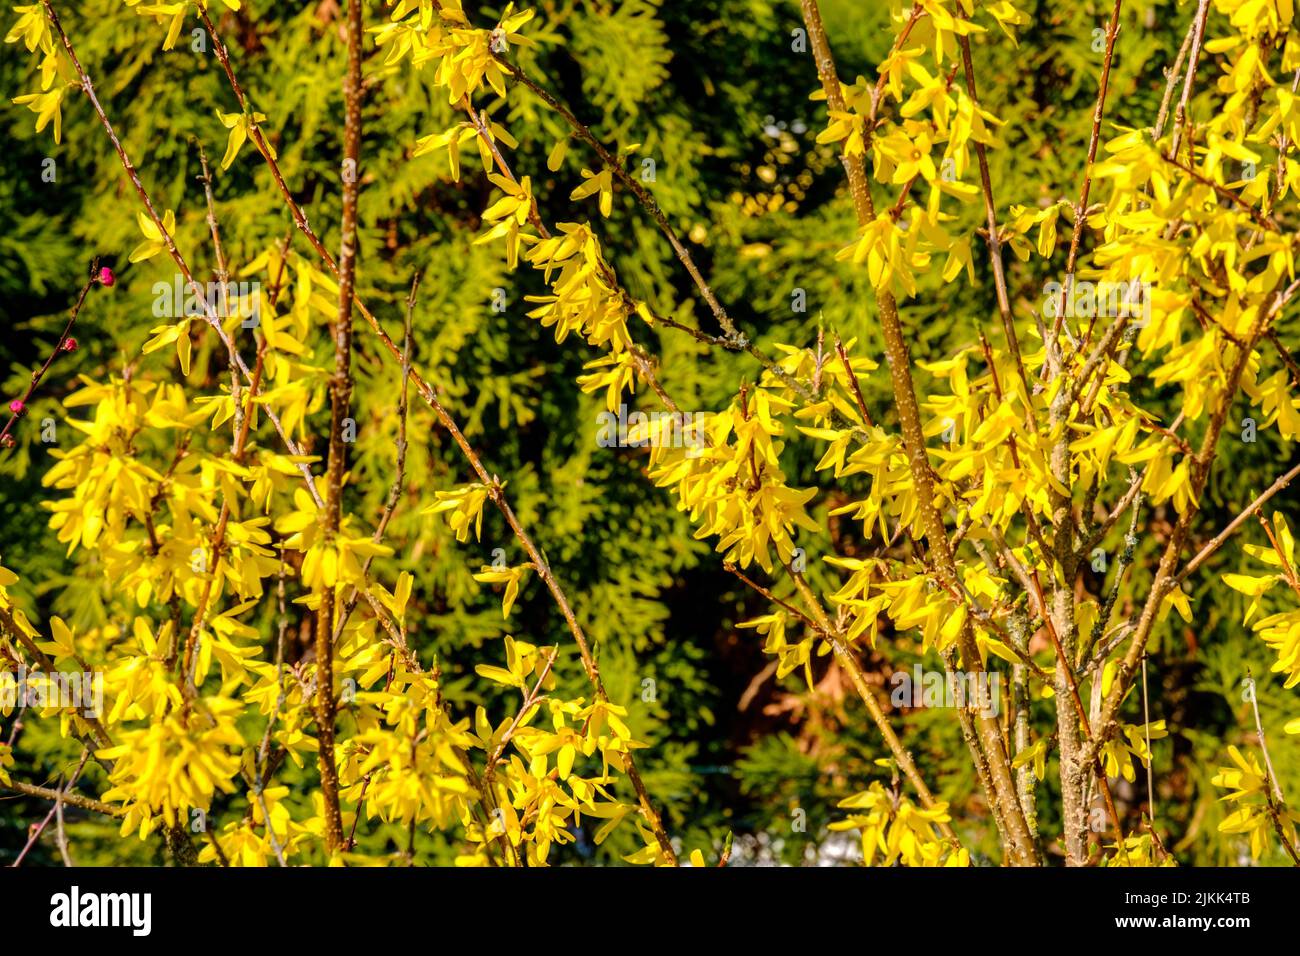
[
  {"x": 59, "y": 347},
  {"x": 340, "y": 396}
]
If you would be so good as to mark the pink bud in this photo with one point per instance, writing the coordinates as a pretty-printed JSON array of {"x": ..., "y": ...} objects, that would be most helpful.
[
  {"x": 6, "y": 441},
  {"x": 17, "y": 406},
  {"x": 106, "y": 276},
  {"x": 69, "y": 344}
]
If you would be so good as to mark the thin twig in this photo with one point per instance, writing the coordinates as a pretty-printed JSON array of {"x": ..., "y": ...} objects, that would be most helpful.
[
  {"x": 60, "y": 797},
  {"x": 71, "y": 799},
  {"x": 6, "y": 439},
  {"x": 1273, "y": 797}
]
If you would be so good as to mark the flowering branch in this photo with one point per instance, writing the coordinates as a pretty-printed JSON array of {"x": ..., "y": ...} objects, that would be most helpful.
[
  {"x": 896, "y": 353},
  {"x": 427, "y": 393}
]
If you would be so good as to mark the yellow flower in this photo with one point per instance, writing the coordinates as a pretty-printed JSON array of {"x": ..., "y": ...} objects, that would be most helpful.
[
  {"x": 509, "y": 215},
  {"x": 6, "y": 760},
  {"x": 47, "y": 106},
  {"x": 240, "y": 126},
  {"x": 602, "y": 183},
  {"x": 329, "y": 560},
  {"x": 175, "y": 764},
  {"x": 510, "y": 577},
  {"x": 466, "y": 507},
  {"x": 155, "y": 242},
  {"x": 32, "y": 28}
]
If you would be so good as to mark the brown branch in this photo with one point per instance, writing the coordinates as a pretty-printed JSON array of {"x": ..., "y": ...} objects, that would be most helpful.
[
  {"x": 340, "y": 396},
  {"x": 1224, "y": 193},
  {"x": 1273, "y": 797},
  {"x": 71, "y": 799},
  {"x": 223, "y": 278},
  {"x": 1165, "y": 578},
  {"x": 531, "y": 699},
  {"x": 767, "y": 594},
  {"x": 1288, "y": 572},
  {"x": 209, "y": 315},
  {"x": 399, "y": 476},
  {"x": 991, "y": 237},
  {"x": 1171, "y": 81},
  {"x": 60, "y": 796},
  {"x": 430, "y": 398},
  {"x": 1285, "y": 355},
  {"x": 1180, "y": 114},
  {"x": 1064, "y": 666},
  {"x": 1215, "y": 543},
  {"x": 1023, "y": 851},
  {"x": 850, "y": 663},
  {"x": 823, "y": 625},
  {"x": 854, "y": 385},
  {"x": 1081, "y": 207},
  {"x": 643, "y": 196},
  {"x": 64, "y": 344}
]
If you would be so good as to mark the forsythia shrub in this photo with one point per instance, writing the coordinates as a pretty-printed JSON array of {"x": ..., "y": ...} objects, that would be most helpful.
[{"x": 305, "y": 590}]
